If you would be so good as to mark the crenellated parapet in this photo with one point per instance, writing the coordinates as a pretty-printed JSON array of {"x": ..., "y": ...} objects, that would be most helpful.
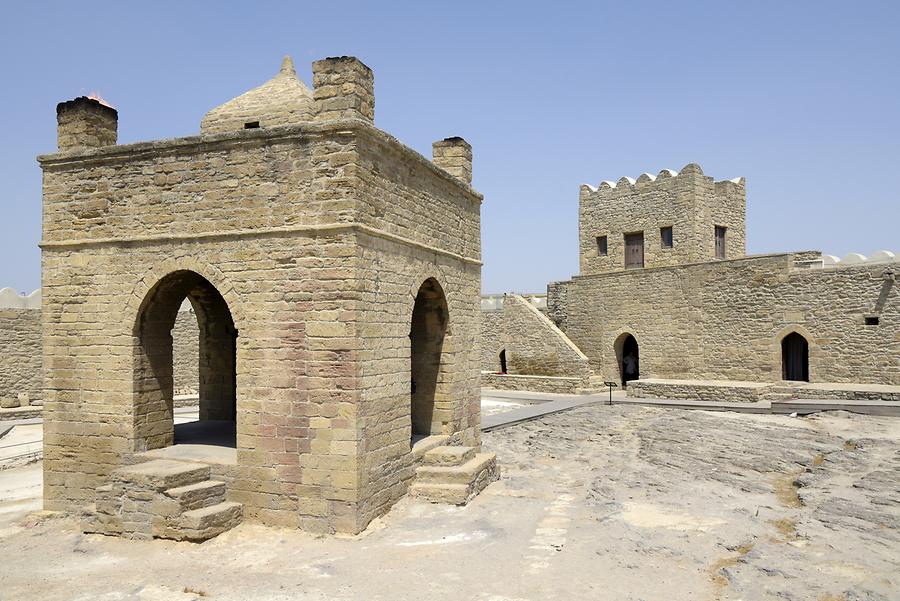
[
  {"x": 629, "y": 185},
  {"x": 671, "y": 218},
  {"x": 11, "y": 299}
]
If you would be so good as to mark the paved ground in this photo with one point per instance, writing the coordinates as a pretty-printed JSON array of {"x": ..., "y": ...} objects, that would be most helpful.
[{"x": 602, "y": 503}]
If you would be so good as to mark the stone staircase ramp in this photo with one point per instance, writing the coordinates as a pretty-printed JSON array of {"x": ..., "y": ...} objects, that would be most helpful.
[
  {"x": 163, "y": 499},
  {"x": 454, "y": 474}
]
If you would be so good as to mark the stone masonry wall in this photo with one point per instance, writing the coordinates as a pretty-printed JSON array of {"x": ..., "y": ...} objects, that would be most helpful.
[
  {"x": 20, "y": 353},
  {"x": 688, "y": 201},
  {"x": 431, "y": 229},
  {"x": 553, "y": 384},
  {"x": 534, "y": 345},
  {"x": 725, "y": 320},
  {"x": 317, "y": 238},
  {"x": 184, "y": 205},
  {"x": 185, "y": 351}
]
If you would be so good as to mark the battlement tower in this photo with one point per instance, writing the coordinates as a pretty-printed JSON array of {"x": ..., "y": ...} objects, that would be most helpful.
[{"x": 669, "y": 219}]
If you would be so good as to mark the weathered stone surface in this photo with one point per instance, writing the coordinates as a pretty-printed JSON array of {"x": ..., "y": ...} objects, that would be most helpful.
[
  {"x": 553, "y": 384},
  {"x": 730, "y": 391},
  {"x": 449, "y": 455},
  {"x": 454, "y": 475},
  {"x": 283, "y": 100},
  {"x": 696, "y": 317},
  {"x": 532, "y": 346},
  {"x": 302, "y": 248},
  {"x": 161, "y": 474},
  {"x": 20, "y": 353},
  {"x": 689, "y": 202}
]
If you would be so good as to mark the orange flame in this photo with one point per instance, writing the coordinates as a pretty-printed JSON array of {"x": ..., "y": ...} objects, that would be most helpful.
[{"x": 96, "y": 96}]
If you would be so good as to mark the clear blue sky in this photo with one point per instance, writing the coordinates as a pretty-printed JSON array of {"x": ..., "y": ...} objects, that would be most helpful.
[{"x": 801, "y": 98}]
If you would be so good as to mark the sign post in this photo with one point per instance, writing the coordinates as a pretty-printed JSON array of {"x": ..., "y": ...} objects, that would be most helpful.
[{"x": 611, "y": 386}]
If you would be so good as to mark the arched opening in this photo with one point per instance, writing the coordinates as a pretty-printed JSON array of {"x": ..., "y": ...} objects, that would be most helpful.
[
  {"x": 503, "y": 362},
  {"x": 154, "y": 373},
  {"x": 795, "y": 358},
  {"x": 429, "y": 326},
  {"x": 628, "y": 358}
]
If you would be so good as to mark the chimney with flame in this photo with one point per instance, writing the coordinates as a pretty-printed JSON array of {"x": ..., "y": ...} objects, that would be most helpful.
[{"x": 84, "y": 123}]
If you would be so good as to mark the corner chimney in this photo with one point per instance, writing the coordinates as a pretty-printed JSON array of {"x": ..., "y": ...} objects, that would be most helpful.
[
  {"x": 85, "y": 123},
  {"x": 453, "y": 155},
  {"x": 344, "y": 89}
]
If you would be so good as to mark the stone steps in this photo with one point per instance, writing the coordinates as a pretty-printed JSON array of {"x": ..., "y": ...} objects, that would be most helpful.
[
  {"x": 207, "y": 522},
  {"x": 452, "y": 474},
  {"x": 163, "y": 499}
]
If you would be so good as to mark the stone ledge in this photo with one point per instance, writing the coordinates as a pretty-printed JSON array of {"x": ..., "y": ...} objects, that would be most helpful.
[
  {"x": 21, "y": 412},
  {"x": 554, "y": 384},
  {"x": 734, "y": 391}
]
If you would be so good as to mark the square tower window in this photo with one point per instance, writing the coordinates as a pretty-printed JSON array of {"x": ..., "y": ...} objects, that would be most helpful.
[
  {"x": 665, "y": 237},
  {"x": 720, "y": 242},
  {"x": 601, "y": 246}
]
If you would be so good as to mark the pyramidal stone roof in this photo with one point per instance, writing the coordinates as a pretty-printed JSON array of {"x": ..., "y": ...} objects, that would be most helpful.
[{"x": 283, "y": 100}]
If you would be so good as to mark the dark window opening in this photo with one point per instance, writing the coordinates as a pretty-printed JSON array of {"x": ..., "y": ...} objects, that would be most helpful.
[
  {"x": 251, "y": 125},
  {"x": 601, "y": 246},
  {"x": 665, "y": 236},
  {"x": 871, "y": 321},
  {"x": 503, "y": 361},
  {"x": 720, "y": 242}
]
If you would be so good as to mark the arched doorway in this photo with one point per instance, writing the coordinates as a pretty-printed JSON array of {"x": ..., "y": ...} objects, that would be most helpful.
[
  {"x": 628, "y": 358},
  {"x": 503, "y": 361},
  {"x": 153, "y": 369},
  {"x": 794, "y": 358},
  {"x": 427, "y": 331}
]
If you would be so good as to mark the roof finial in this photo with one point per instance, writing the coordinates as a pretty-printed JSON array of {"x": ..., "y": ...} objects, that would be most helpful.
[{"x": 287, "y": 66}]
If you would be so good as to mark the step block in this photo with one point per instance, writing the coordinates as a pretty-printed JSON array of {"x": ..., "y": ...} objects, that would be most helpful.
[
  {"x": 454, "y": 494},
  {"x": 460, "y": 474},
  {"x": 207, "y": 522},
  {"x": 449, "y": 456},
  {"x": 457, "y": 485},
  {"x": 161, "y": 474},
  {"x": 198, "y": 495}
]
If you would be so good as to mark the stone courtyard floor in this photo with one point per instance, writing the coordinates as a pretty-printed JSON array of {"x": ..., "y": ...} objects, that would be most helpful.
[{"x": 602, "y": 503}]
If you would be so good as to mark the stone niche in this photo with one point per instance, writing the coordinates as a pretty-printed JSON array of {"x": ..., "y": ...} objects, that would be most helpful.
[{"x": 335, "y": 276}]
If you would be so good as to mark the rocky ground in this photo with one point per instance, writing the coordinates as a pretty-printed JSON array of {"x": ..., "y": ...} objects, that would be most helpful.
[{"x": 612, "y": 503}]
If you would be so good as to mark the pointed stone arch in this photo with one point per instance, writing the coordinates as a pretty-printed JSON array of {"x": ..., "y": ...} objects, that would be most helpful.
[
  {"x": 804, "y": 349},
  {"x": 429, "y": 384},
  {"x": 627, "y": 353},
  {"x": 151, "y": 322}
]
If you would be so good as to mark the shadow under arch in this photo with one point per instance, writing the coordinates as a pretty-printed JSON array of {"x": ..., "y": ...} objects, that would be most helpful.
[
  {"x": 627, "y": 358},
  {"x": 428, "y": 328},
  {"x": 153, "y": 376}
]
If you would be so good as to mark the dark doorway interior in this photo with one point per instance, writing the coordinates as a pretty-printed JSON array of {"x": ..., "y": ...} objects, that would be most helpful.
[
  {"x": 429, "y": 325},
  {"x": 503, "y": 361},
  {"x": 630, "y": 367},
  {"x": 795, "y": 358}
]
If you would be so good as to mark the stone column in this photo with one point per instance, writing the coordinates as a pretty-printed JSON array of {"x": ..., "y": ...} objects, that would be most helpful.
[
  {"x": 453, "y": 155},
  {"x": 344, "y": 89},
  {"x": 85, "y": 123}
]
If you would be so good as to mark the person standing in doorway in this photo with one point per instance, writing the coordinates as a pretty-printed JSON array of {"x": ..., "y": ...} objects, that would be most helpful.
[{"x": 629, "y": 363}]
